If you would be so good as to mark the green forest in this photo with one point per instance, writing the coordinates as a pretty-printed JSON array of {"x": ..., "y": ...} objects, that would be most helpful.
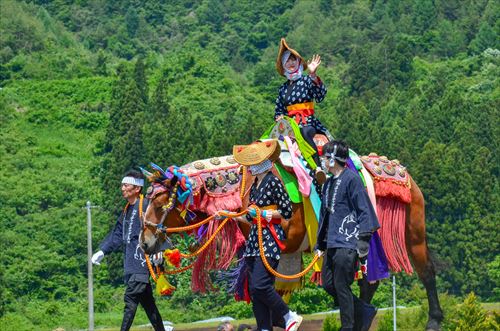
[{"x": 91, "y": 88}]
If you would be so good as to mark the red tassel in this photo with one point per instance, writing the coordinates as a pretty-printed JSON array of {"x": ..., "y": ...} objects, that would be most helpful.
[
  {"x": 200, "y": 278},
  {"x": 172, "y": 257},
  {"x": 218, "y": 255},
  {"x": 163, "y": 287}
]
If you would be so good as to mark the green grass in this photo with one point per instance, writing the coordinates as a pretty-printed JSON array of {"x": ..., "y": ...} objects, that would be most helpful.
[{"x": 407, "y": 313}]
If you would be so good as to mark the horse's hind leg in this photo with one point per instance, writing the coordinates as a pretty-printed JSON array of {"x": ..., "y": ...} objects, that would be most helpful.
[{"x": 417, "y": 247}]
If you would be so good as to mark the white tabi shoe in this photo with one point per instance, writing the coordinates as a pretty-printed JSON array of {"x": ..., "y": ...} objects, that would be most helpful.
[{"x": 293, "y": 323}]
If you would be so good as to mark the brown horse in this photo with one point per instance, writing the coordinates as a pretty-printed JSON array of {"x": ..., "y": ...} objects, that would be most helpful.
[{"x": 415, "y": 238}]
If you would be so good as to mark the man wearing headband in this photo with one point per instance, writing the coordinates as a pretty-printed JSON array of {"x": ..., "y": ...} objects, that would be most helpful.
[
  {"x": 297, "y": 95},
  {"x": 125, "y": 235},
  {"x": 347, "y": 221},
  {"x": 269, "y": 195}
]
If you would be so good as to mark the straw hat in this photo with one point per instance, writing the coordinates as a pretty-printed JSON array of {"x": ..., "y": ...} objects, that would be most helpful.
[
  {"x": 283, "y": 47},
  {"x": 257, "y": 152}
]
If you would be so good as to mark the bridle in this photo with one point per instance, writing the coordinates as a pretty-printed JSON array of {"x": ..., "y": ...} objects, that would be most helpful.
[{"x": 156, "y": 189}]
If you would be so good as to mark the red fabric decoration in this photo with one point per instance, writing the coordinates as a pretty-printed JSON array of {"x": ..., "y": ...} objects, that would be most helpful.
[
  {"x": 388, "y": 189},
  {"x": 392, "y": 217}
]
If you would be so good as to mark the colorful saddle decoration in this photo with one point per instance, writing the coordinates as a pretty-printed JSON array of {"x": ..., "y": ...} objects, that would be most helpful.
[
  {"x": 220, "y": 177},
  {"x": 392, "y": 187},
  {"x": 391, "y": 178}
]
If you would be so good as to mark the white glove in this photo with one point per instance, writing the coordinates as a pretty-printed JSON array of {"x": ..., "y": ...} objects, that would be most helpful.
[
  {"x": 97, "y": 257},
  {"x": 157, "y": 259},
  {"x": 319, "y": 253}
]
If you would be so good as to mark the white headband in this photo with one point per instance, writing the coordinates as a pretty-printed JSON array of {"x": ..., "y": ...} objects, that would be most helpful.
[
  {"x": 334, "y": 155},
  {"x": 133, "y": 181}
]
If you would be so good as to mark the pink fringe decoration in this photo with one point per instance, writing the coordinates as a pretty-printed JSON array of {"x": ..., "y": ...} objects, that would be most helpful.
[
  {"x": 211, "y": 204},
  {"x": 389, "y": 189},
  {"x": 200, "y": 279},
  {"x": 392, "y": 217},
  {"x": 218, "y": 255}
]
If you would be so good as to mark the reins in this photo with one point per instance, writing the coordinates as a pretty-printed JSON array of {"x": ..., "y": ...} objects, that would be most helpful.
[
  {"x": 228, "y": 216},
  {"x": 160, "y": 228}
]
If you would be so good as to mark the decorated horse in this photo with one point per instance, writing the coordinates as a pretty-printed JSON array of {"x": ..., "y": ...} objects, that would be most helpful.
[{"x": 186, "y": 199}]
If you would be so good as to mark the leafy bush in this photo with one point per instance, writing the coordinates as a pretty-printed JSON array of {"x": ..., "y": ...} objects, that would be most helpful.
[
  {"x": 331, "y": 323},
  {"x": 470, "y": 316},
  {"x": 237, "y": 310}
]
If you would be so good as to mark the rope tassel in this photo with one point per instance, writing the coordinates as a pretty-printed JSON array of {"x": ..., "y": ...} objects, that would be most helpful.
[{"x": 163, "y": 287}]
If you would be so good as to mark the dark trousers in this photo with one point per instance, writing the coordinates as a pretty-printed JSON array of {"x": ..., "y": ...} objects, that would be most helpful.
[
  {"x": 267, "y": 305},
  {"x": 140, "y": 292},
  {"x": 338, "y": 275},
  {"x": 308, "y": 132}
]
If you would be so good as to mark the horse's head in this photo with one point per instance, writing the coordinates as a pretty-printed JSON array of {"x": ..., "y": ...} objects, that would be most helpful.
[{"x": 161, "y": 213}]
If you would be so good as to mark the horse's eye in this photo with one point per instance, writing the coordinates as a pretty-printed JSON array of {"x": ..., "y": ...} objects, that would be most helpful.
[{"x": 150, "y": 190}]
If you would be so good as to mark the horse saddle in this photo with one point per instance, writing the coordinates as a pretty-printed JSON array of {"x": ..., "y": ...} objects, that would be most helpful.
[
  {"x": 381, "y": 168},
  {"x": 218, "y": 175}
]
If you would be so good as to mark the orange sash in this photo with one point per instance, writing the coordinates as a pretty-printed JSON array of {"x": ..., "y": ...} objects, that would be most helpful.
[{"x": 300, "y": 111}]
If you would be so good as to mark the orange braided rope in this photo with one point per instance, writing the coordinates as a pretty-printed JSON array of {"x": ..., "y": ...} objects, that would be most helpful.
[
  {"x": 201, "y": 249},
  {"x": 141, "y": 199},
  {"x": 178, "y": 271},
  {"x": 219, "y": 228},
  {"x": 264, "y": 259},
  {"x": 243, "y": 182},
  {"x": 150, "y": 267},
  {"x": 168, "y": 272},
  {"x": 190, "y": 227},
  {"x": 209, "y": 241}
]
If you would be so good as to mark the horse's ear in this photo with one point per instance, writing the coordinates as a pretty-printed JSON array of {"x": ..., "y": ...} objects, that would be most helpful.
[
  {"x": 146, "y": 173},
  {"x": 159, "y": 169}
]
